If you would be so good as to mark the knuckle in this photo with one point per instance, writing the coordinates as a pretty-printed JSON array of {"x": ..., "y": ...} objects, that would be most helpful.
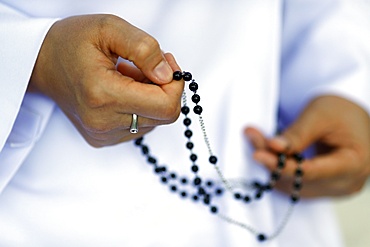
[
  {"x": 107, "y": 20},
  {"x": 172, "y": 112},
  {"x": 93, "y": 125},
  {"x": 145, "y": 48},
  {"x": 93, "y": 97}
]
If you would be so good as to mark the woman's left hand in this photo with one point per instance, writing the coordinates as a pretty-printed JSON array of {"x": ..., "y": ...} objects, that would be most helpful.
[{"x": 340, "y": 132}]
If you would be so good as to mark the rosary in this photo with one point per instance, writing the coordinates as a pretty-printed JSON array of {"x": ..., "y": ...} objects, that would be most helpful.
[{"x": 205, "y": 191}]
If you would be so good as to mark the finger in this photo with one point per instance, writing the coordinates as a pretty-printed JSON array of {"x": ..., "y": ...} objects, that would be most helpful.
[
  {"x": 338, "y": 173},
  {"x": 121, "y": 94},
  {"x": 307, "y": 129},
  {"x": 314, "y": 189},
  {"x": 256, "y": 137},
  {"x": 270, "y": 161},
  {"x": 131, "y": 71},
  {"x": 173, "y": 92},
  {"x": 172, "y": 62},
  {"x": 164, "y": 101},
  {"x": 115, "y": 137},
  {"x": 142, "y": 49},
  {"x": 337, "y": 164},
  {"x": 151, "y": 101},
  {"x": 110, "y": 136}
]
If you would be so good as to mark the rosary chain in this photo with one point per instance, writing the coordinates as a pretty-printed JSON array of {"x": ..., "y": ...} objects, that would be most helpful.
[{"x": 205, "y": 193}]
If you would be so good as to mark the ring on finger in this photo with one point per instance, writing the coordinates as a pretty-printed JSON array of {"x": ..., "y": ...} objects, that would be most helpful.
[{"x": 134, "y": 128}]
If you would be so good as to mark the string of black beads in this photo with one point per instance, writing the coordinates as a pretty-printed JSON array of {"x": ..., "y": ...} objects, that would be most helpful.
[
  {"x": 297, "y": 184},
  {"x": 203, "y": 188},
  {"x": 199, "y": 189},
  {"x": 260, "y": 188}
]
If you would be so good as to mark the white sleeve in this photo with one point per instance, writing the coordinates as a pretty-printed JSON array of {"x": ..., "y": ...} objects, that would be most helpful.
[
  {"x": 325, "y": 51},
  {"x": 23, "y": 116},
  {"x": 20, "y": 41}
]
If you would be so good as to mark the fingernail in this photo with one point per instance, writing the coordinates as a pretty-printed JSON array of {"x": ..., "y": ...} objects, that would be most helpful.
[
  {"x": 282, "y": 142},
  {"x": 163, "y": 72},
  {"x": 250, "y": 136},
  {"x": 253, "y": 139},
  {"x": 266, "y": 160}
]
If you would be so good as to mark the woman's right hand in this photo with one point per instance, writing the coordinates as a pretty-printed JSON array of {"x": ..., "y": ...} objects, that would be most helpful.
[{"x": 76, "y": 67}]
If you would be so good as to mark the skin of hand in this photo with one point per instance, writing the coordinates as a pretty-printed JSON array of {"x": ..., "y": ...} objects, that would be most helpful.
[
  {"x": 76, "y": 67},
  {"x": 340, "y": 132}
]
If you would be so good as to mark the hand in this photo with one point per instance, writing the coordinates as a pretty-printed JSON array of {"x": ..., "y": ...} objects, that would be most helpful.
[
  {"x": 76, "y": 67},
  {"x": 340, "y": 131}
]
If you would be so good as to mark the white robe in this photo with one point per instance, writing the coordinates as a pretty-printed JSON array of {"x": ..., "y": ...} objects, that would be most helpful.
[{"x": 250, "y": 58}]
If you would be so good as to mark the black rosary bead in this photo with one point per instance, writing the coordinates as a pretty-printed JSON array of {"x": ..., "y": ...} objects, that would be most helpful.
[
  {"x": 197, "y": 181},
  {"x": 195, "y": 168},
  {"x": 138, "y": 141},
  {"x": 144, "y": 149},
  {"x": 187, "y": 121},
  {"x": 294, "y": 198},
  {"x": 214, "y": 209},
  {"x": 164, "y": 179},
  {"x": 237, "y": 196},
  {"x": 298, "y": 157},
  {"x": 299, "y": 172},
  {"x": 195, "y": 98},
  {"x": 257, "y": 185},
  {"x": 201, "y": 191},
  {"x": 207, "y": 199},
  {"x": 281, "y": 160},
  {"x": 193, "y": 86},
  {"x": 193, "y": 157},
  {"x": 259, "y": 194},
  {"x": 173, "y": 175},
  {"x": 152, "y": 160},
  {"x": 247, "y": 199},
  {"x": 177, "y": 75},
  {"x": 219, "y": 191},
  {"x": 198, "y": 109},
  {"x": 188, "y": 133},
  {"x": 297, "y": 185},
  {"x": 173, "y": 188},
  {"x": 185, "y": 110},
  {"x": 212, "y": 159},
  {"x": 209, "y": 183},
  {"x": 275, "y": 175},
  {"x": 195, "y": 198},
  {"x": 187, "y": 76},
  {"x": 261, "y": 237},
  {"x": 189, "y": 145},
  {"x": 268, "y": 187},
  {"x": 184, "y": 181},
  {"x": 160, "y": 169},
  {"x": 183, "y": 194}
]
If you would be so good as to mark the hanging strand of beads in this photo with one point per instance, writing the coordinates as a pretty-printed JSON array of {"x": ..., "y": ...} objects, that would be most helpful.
[{"x": 199, "y": 189}]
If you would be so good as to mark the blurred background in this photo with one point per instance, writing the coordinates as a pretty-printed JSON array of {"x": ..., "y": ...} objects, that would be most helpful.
[{"x": 354, "y": 218}]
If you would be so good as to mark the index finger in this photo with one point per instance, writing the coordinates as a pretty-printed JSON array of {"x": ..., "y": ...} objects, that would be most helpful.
[{"x": 143, "y": 50}]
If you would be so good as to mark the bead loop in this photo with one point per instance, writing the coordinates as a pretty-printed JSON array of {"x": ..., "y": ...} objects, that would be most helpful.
[{"x": 205, "y": 191}]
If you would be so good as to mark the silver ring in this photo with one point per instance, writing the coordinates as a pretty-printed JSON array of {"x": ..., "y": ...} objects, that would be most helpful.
[{"x": 134, "y": 126}]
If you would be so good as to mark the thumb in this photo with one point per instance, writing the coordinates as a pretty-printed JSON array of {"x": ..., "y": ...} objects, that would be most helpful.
[
  {"x": 308, "y": 128},
  {"x": 143, "y": 50}
]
